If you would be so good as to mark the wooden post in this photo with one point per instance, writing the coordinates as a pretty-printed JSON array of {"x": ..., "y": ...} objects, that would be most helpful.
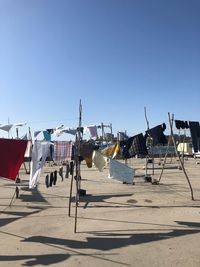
[
  {"x": 70, "y": 194},
  {"x": 77, "y": 164},
  {"x": 174, "y": 143}
]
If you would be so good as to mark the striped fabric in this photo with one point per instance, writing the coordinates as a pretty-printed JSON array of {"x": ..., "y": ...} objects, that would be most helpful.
[{"x": 62, "y": 150}]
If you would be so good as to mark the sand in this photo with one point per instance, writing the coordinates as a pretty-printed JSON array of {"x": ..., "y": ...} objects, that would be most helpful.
[{"x": 118, "y": 224}]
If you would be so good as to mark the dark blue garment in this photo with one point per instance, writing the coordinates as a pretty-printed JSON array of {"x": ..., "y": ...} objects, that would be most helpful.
[
  {"x": 157, "y": 134},
  {"x": 135, "y": 145},
  {"x": 47, "y": 135},
  {"x": 195, "y": 134}
]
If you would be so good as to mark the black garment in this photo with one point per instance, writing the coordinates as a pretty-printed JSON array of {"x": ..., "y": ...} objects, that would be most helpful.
[
  {"x": 195, "y": 134},
  {"x": 157, "y": 134},
  {"x": 61, "y": 172},
  {"x": 181, "y": 124},
  {"x": 67, "y": 170},
  {"x": 178, "y": 124},
  {"x": 51, "y": 149},
  {"x": 71, "y": 167},
  {"x": 55, "y": 178},
  {"x": 135, "y": 145},
  {"x": 186, "y": 125},
  {"x": 47, "y": 180},
  {"x": 73, "y": 152},
  {"x": 51, "y": 179},
  {"x": 50, "y": 131}
]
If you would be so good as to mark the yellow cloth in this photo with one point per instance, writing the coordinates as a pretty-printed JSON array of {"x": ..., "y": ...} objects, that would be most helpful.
[{"x": 110, "y": 151}]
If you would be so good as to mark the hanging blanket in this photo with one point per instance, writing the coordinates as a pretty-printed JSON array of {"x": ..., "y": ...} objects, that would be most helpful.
[
  {"x": 11, "y": 157},
  {"x": 121, "y": 172}
]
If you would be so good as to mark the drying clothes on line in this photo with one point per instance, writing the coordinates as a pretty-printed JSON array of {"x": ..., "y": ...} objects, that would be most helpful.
[
  {"x": 20, "y": 124},
  {"x": 6, "y": 127},
  {"x": 92, "y": 129},
  {"x": 195, "y": 134},
  {"x": 181, "y": 124},
  {"x": 116, "y": 152},
  {"x": 24, "y": 137},
  {"x": 28, "y": 151},
  {"x": 86, "y": 151},
  {"x": 110, "y": 150},
  {"x": 47, "y": 135},
  {"x": 11, "y": 157},
  {"x": 59, "y": 132},
  {"x": 39, "y": 154},
  {"x": 62, "y": 150},
  {"x": 36, "y": 133},
  {"x": 157, "y": 134},
  {"x": 70, "y": 131},
  {"x": 121, "y": 172},
  {"x": 100, "y": 162},
  {"x": 134, "y": 146}
]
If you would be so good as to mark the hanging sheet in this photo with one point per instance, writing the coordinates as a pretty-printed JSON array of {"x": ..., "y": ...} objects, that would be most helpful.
[
  {"x": 100, "y": 162},
  {"x": 39, "y": 154},
  {"x": 121, "y": 172},
  {"x": 11, "y": 157}
]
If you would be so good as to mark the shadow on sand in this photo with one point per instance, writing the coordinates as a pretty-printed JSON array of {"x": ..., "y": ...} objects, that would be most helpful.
[{"x": 101, "y": 242}]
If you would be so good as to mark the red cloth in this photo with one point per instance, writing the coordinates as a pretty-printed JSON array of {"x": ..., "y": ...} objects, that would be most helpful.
[{"x": 11, "y": 157}]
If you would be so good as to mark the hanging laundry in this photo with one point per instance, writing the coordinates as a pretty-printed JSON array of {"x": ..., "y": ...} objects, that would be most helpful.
[
  {"x": 70, "y": 131},
  {"x": 110, "y": 150},
  {"x": 181, "y": 124},
  {"x": 28, "y": 151},
  {"x": 92, "y": 129},
  {"x": 51, "y": 179},
  {"x": 61, "y": 173},
  {"x": 36, "y": 133},
  {"x": 19, "y": 124},
  {"x": 121, "y": 172},
  {"x": 157, "y": 134},
  {"x": 39, "y": 154},
  {"x": 86, "y": 151},
  {"x": 62, "y": 150},
  {"x": 47, "y": 135},
  {"x": 134, "y": 146},
  {"x": 11, "y": 157},
  {"x": 6, "y": 127},
  {"x": 24, "y": 137},
  {"x": 47, "y": 180},
  {"x": 116, "y": 152},
  {"x": 55, "y": 178},
  {"x": 195, "y": 134},
  {"x": 100, "y": 162},
  {"x": 60, "y": 130}
]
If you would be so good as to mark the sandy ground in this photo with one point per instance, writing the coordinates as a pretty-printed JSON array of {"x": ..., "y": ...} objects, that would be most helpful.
[{"x": 118, "y": 224}]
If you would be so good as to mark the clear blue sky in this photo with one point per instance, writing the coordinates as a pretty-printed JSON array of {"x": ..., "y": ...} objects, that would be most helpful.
[{"x": 117, "y": 56}]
